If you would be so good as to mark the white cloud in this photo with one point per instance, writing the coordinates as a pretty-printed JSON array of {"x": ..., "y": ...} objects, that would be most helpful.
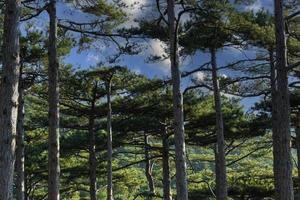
[
  {"x": 137, "y": 70},
  {"x": 199, "y": 76},
  {"x": 224, "y": 76},
  {"x": 135, "y": 11},
  {"x": 92, "y": 58},
  {"x": 259, "y": 4},
  {"x": 255, "y": 6},
  {"x": 158, "y": 48}
]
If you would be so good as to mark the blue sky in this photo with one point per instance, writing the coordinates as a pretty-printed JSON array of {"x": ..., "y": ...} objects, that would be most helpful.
[
  {"x": 99, "y": 52},
  {"x": 138, "y": 63}
]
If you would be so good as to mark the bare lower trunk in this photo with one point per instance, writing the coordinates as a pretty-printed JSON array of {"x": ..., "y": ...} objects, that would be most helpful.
[
  {"x": 180, "y": 157},
  {"x": 167, "y": 194},
  {"x": 221, "y": 182},
  {"x": 298, "y": 150},
  {"x": 92, "y": 152},
  {"x": 53, "y": 141},
  {"x": 281, "y": 112},
  {"x": 109, "y": 145},
  {"x": 9, "y": 97},
  {"x": 20, "y": 157},
  {"x": 148, "y": 167}
]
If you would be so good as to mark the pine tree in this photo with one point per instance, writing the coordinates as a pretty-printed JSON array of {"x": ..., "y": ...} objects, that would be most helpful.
[
  {"x": 53, "y": 141},
  {"x": 9, "y": 96},
  {"x": 181, "y": 176},
  {"x": 281, "y": 111}
]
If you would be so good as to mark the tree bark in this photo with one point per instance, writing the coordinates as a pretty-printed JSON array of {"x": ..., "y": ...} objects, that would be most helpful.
[
  {"x": 281, "y": 111},
  {"x": 148, "y": 167},
  {"x": 109, "y": 144},
  {"x": 53, "y": 143},
  {"x": 9, "y": 97},
  {"x": 298, "y": 150},
  {"x": 20, "y": 157},
  {"x": 167, "y": 194},
  {"x": 220, "y": 168},
  {"x": 92, "y": 150},
  {"x": 180, "y": 157}
]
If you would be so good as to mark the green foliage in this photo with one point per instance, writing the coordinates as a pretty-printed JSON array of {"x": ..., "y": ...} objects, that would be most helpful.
[{"x": 142, "y": 105}]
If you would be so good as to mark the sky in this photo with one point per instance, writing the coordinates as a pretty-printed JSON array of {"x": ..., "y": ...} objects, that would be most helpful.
[
  {"x": 138, "y": 63},
  {"x": 159, "y": 69}
]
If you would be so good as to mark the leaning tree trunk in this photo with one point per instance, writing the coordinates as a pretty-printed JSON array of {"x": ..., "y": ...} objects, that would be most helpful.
[
  {"x": 109, "y": 144},
  {"x": 180, "y": 157},
  {"x": 220, "y": 168},
  {"x": 281, "y": 109},
  {"x": 148, "y": 167},
  {"x": 20, "y": 157},
  {"x": 167, "y": 194},
  {"x": 9, "y": 97},
  {"x": 53, "y": 141},
  {"x": 92, "y": 150}
]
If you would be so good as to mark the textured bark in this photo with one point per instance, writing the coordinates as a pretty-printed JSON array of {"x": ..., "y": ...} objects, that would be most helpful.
[
  {"x": 109, "y": 144},
  {"x": 220, "y": 168},
  {"x": 92, "y": 151},
  {"x": 9, "y": 97},
  {"x": 53, "y": 141},
  {"x": 298, "y": 150},
  {"x": 281, "y": 111},
  {"x": 20, "y": 157},
  {"x": 167, "y": 194},
  {"x": 180, "y": 157},
  {"x": 148, "y": 166}
]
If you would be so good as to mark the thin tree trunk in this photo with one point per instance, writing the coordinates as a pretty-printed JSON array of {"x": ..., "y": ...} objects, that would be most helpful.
[
  {"x": 148, "y": 167},
  {"x": 92, "y": 150},
  {"x": 109, "y": 144},
  {"x": 167, "y": 194},
  {"x": 20, "y": 157},
  {"x": 281, "y": 110},
  {"x": 180, "y": 157},
  {"x": 298, "y": 150},
  {"x": 53, "y": 143},
  {"x": 9, "y": 97},
  {"x": 220, "y": 168}
]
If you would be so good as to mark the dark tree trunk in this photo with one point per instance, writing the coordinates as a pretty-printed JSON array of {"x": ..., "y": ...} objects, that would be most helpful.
[
  {"x": 167, "y": 194},
  {"x": 148, "y": 166},
  {"x": 180, "y": 157},
  {"x": 53, "y": 141},
  {"x": 220, "y": 168},
  {"x": 281, "y": 112},
  {"x": 298, "y": 150},
  {"x": 92, "y": 150},
  {"x": 20, "y": 157},
  {"x": 9, "y": 97},
  {"x": 109, "y": 144}
]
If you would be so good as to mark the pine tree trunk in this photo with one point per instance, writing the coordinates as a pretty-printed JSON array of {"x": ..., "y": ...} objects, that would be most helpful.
[
  {"x": 180, "y": 157},
  {"x": 53, "y": 141},
  {"x": 281, "y": 111},
  {"x": 220, "y": 168},
  {"x": 9, "y": 97},
  {"x": 20, "y": 157},
  {"x": 148, "y": 167},
  {"x": 92, "y": 151},
  {"x": 109, "y": 144},
  {"x": 167, "y": 194},
  {"x": 298, "y": 150}
]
